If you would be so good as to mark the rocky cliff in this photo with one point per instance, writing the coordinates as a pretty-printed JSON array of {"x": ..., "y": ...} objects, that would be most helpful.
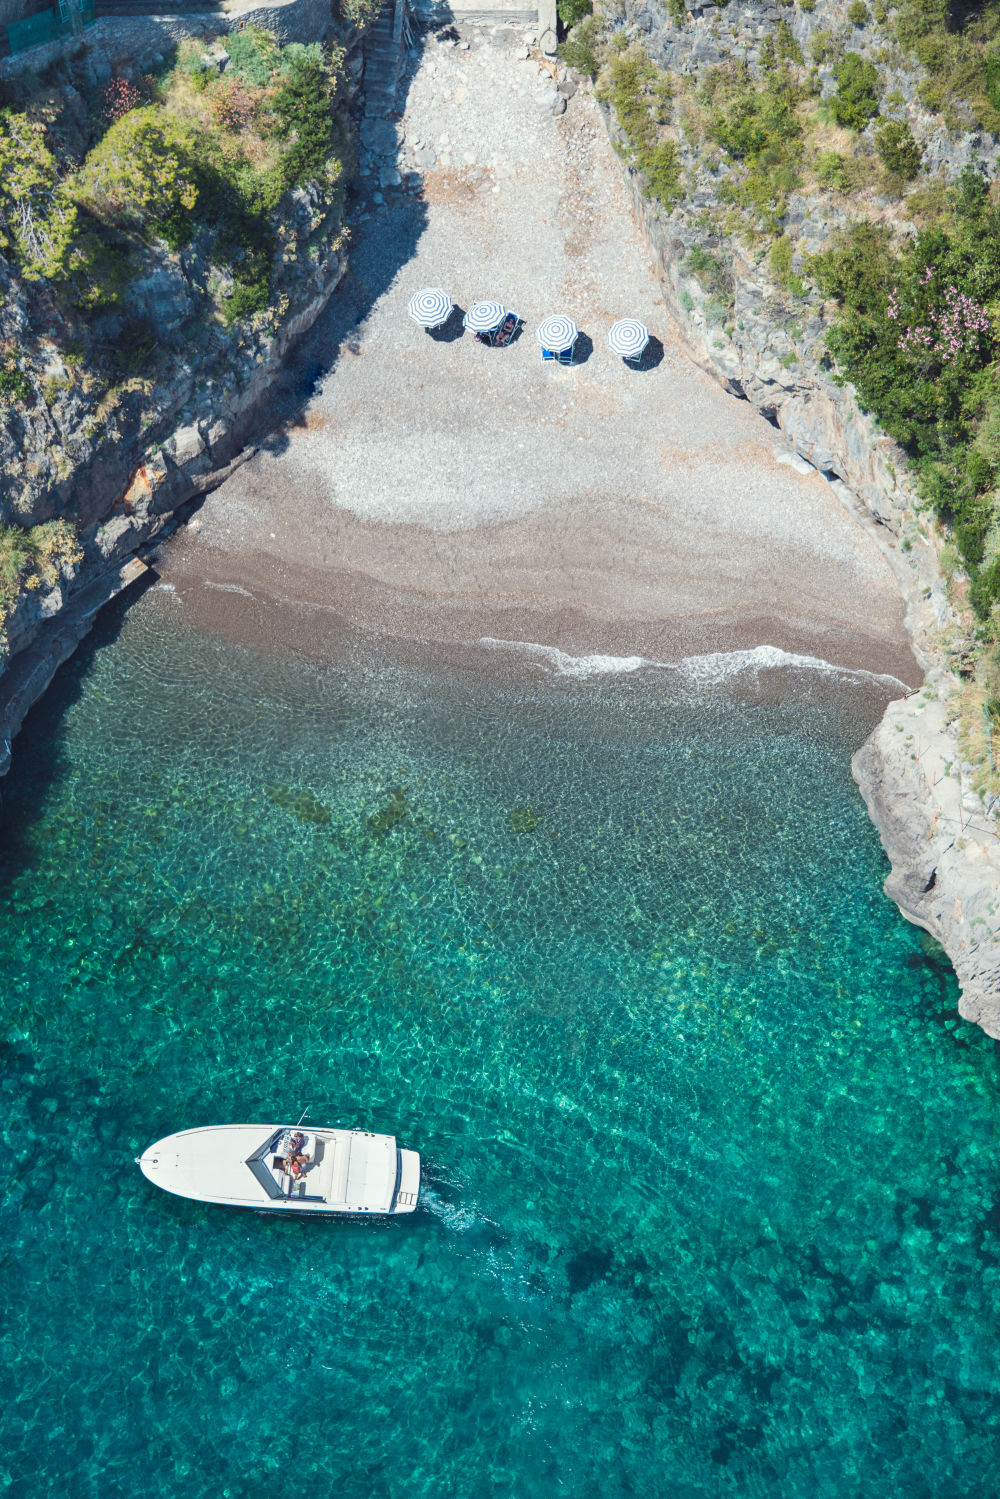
[
  {"x": 741, "y": 324},
  {"x": 112, "y": 418}
]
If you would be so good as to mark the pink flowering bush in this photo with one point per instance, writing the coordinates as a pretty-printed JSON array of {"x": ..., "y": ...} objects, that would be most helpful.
[
  {"x": 917, "y": 337},
  {"x": 120, "y": 96},
  {"x": 955, "y": 325}
]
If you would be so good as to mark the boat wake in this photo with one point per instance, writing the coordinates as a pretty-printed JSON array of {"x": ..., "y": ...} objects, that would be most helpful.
[
  {"x": 713, "y": 670},
  {"x": 455, "y": 1217}
]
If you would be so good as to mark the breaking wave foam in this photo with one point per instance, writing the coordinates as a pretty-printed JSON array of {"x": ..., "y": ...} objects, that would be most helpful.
[
  {"x": 572, "y": 666},
  {"x": 711, "y": 670}
]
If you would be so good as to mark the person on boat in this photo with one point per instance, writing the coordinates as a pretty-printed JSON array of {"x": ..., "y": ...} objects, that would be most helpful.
[{"x": 296, "y": 1159}]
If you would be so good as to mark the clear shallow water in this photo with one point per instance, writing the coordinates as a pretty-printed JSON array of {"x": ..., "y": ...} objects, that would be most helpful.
[{"x": 710, "y": 1164}]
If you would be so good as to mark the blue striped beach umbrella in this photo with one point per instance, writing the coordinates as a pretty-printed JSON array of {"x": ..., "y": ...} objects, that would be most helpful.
[
  {"x": 628, "y": 337},
  {"x": 430, "y": 307},
  {"x": 557, "y": 334},
  {"x": 483, "y": 317}
]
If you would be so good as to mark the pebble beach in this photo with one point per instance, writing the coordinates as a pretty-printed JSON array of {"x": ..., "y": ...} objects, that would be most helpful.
[{"x": 434, "y": 494}]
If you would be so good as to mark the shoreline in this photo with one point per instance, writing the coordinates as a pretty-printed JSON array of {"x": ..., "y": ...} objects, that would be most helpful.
[
  {"x": 283, "y": 607},
  {"x": 521, "y": 673}
]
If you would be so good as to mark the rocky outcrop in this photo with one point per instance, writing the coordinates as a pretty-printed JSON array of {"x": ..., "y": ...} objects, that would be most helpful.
[
  {"x": 114, "y": 419},
  {"x": 943, "y": 845},
  {"x": 130, "y": 496},
  {"x": 942, "y": 839}
]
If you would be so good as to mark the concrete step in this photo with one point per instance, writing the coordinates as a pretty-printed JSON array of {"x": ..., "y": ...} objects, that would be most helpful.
[
  {"x": 157, "y": 8},
  {"x": 383, "y": 61}
]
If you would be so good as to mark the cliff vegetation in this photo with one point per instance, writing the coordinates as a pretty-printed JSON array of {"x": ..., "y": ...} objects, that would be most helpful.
[
  {"x": 152, "y": 232},
  {"x": 849, "y": 151}
]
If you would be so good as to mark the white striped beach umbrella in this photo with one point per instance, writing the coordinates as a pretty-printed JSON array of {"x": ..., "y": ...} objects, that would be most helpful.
[
  {"x": 628, "y": 337},
  {"x": 430, "y": 307},
  {"x": 557, "y": 334},
  {"x": 483, "y": 317}
]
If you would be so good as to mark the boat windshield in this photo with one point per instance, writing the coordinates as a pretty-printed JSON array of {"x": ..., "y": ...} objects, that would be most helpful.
[{"x": 260, "y": 1168}]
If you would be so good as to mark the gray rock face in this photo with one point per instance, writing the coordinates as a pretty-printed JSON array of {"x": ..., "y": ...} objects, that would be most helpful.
[
  {"x": 164, "y": 298},
  {"x": 185, "y": 446},
  {"x": 379, "y": 136},
  {"x": 942, "y": 844}
]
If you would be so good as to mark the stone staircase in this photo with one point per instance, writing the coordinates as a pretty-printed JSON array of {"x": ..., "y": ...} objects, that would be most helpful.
[{"x": 383, "y": 60}]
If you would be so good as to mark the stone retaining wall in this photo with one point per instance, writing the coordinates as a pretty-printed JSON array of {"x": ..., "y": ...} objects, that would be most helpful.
[{"x": 114, "y": 44}]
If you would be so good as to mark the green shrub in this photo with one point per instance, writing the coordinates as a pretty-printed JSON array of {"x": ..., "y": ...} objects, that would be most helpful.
[
  {"x": 253, "y": 55},
  {"x": 191, "y": 60},
  {"x": 660, "y": 165},
  {"x": 34, "y": 556},
  {"x": 807, "y": 5},
  {"x": 899, "y": 152},
  {"x": 831, "y": 171},
  {"x": 857, "y": 12},
  {"x": 757, "y": 126},
  {"x": 857, "y": 96},
  {"x": 302, "y": 107},
  {"x": 38, "y": 219},
  {"x": 140, "y": 172},
  {"x": 632, "y": 91},
  {"x": 788, "y": 48},
  {"x": 248, "y": 297},
  {"x": 359, "y": 13},
  {"x": 780, "y": 260},
  {"x": 914, "y": 339},
  {"x": 991, "y": 80},
  {"x": 746, "y": 119},
  {"x": 823, "y": 47},
  {"x": 572, "y": 11},
  {"x": 579, "y": 50},
  {"x": 14, "y": 383},
  {"x": 712, "y": 272}
]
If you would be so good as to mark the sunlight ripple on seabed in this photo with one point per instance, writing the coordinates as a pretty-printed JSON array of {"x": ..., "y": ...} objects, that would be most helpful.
[{"x": 710, "y": 1161}]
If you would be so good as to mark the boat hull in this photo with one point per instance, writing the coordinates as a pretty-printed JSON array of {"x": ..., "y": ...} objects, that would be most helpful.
[{"x": 343, "y": 1173}]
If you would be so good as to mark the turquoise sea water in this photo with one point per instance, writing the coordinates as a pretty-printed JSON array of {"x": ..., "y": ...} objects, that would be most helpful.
[{"x": 710, "y": 1165}]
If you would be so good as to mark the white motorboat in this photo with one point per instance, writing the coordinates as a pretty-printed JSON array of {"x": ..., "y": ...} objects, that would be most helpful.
[{"x": 286, "y": 1169}]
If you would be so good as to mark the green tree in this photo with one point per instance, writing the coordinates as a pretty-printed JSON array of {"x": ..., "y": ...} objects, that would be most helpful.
[
  {"x": 899, "y": 151},
  {"x": 140, "y": 171},
  {"x": 38, "y": 218},
  {"x": 572, "y": 11},
  {"x": 857, "y": 96},
  {"x": 302, "y": 105}
]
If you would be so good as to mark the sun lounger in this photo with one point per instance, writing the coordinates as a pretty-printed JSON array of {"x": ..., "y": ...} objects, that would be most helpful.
[
  {"x": 500, "y": 336},
  {"x": 563, "y": 356}
]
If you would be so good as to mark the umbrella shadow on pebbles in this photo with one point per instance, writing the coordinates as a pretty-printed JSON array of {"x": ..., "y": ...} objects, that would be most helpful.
[
  {"x": 384, "y": 239},
  {"x": 450, "y": 330},
  {"x": 651, "y": 356},
  {"x": 583, "y": 348}
]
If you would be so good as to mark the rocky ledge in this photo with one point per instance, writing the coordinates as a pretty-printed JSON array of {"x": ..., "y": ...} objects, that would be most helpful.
[{"x": 942, "y": 843}]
